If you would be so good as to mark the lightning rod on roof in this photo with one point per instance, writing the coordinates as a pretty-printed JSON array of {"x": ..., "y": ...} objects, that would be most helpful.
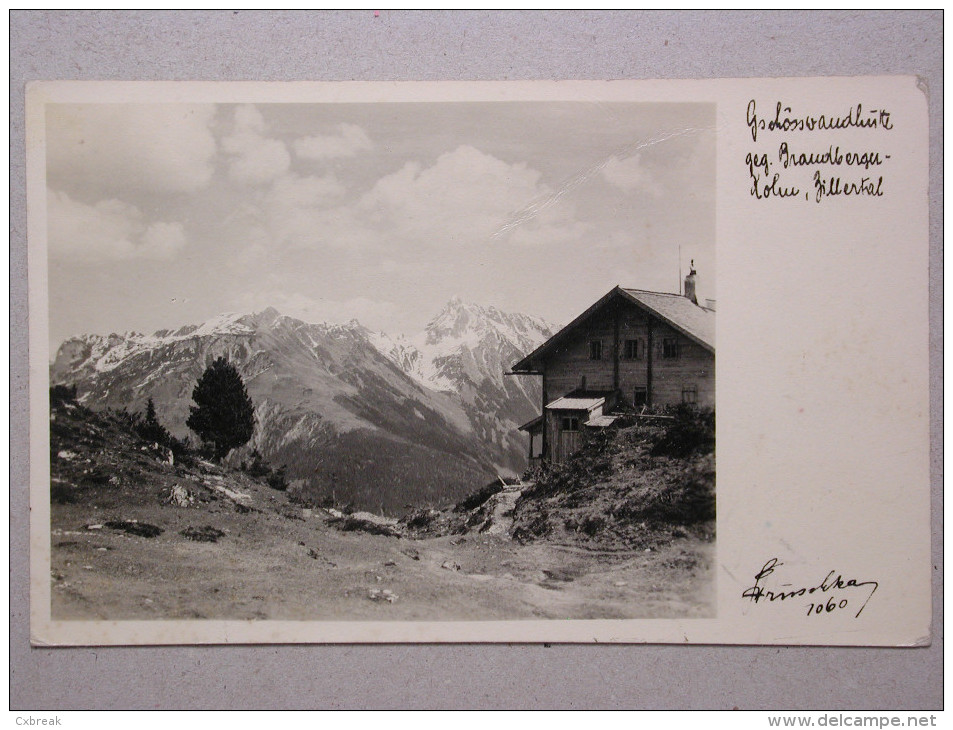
[{"x": 680, "y": 269}]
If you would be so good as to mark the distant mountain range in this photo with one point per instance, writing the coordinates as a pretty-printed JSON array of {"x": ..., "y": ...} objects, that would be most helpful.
[{"x": 360, "y": 416}]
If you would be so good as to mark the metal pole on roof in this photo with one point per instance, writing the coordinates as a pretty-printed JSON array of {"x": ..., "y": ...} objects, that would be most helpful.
[{"x": 680, "y": 270}]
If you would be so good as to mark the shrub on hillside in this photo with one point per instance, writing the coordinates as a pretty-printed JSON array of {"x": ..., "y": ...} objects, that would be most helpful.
[
  {"x": 62, "y": 394},
  {"x": 692, "y": 431},
  {"x": 149, "y": 429},
  {"x": 479, "y": 497},
  {"x": 685, "y": 499},
  {"x": 592, "y": 463},
  {"x": 421, "y": 519},
  {"x": 257, "y": 467},
  {"x": 277, "y": 480}
]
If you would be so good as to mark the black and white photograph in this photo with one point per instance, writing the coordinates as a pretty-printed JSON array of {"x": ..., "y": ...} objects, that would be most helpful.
[
  {"x": 429, "y": 360},
  {"x": 365, "y": 359},
  {"x": 436, "y": 362}
]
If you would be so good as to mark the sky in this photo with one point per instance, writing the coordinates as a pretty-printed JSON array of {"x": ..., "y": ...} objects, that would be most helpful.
[{"x": 167, "y": 214}]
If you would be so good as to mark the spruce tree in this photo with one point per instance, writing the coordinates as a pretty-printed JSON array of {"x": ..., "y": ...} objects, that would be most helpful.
[
  {"x": 150, "y": 429},
  {"x": 223, "y": 415},
  {"x": 151, "y": 419}
]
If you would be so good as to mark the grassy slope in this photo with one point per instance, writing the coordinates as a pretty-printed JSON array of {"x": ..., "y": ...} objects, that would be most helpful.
[{"x": 634, "y": 487}]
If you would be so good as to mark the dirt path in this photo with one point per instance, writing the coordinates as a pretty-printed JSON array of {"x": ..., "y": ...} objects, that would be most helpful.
[
  {"x": 286, "y": 566},
  {"x": 501, "y": 519}
]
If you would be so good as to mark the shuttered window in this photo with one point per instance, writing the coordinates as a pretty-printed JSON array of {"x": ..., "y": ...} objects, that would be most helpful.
[
  {"x": 633, "y": 349},
  {"x": 595, "y": 349}
]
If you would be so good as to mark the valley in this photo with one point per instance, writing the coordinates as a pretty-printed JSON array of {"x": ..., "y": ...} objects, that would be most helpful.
[{"x": 356, "y": 417}]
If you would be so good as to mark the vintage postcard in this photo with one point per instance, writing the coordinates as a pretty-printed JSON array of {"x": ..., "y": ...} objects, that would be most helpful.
[{"x": 435, "y": 362}]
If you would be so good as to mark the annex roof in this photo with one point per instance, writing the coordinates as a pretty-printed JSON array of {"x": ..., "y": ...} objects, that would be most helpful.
[
  {"x": 567, "y": 403},
  {"x": 601, "y": 421},
  {"x": 694, "y": 321},
  {"x": 530, "y": 425}
]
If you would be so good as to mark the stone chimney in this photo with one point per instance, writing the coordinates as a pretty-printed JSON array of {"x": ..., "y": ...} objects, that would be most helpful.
[{"x": 690, "y": 285}]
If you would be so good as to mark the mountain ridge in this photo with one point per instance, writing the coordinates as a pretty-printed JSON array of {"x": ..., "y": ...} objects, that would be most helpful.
[{"x": 338, "y": 402}]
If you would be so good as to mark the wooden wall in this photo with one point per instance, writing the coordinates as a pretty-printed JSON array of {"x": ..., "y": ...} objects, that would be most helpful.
[
  {"x": 559, "y": 447},
  {"x": 694, "y": 366}
]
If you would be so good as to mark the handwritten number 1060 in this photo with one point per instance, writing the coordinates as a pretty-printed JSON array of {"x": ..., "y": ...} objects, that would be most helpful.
[{"x": 830, "y": 606}]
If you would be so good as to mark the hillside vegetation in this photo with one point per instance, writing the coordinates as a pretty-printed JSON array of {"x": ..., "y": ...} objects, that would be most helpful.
[
  {"x": 354, "y": 416},
  {"x": 145, "y": 530},
  {"x": 632, "y": 486}
]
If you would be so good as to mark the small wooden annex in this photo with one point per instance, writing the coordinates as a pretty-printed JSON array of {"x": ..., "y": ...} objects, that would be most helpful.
[{"x": 631, "y": 348}]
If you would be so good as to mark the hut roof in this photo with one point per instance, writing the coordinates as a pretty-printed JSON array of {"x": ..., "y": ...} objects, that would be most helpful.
[{"x": 694, "y": 321}]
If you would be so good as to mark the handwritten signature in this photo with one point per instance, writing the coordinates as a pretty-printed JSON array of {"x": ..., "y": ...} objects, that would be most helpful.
[{"x": 828, "y": 587}]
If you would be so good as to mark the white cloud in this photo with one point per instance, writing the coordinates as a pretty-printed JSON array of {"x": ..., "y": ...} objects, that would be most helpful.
[
  {"x": 372, "y": 313},
  {"x": 550, "y": 227},
  {"x": 369, "y": 312},
  {"x": 351, "y": 140},
  {"x": 108, "y": 230},
  {"x": 292, "y": 191},
  {"x": 629, "y": 175},
  {"x": 255, "y": 158},
  {"x": 111, "y": 148},
  {"x": 162, "y": 240},
  {"x": 465, "y": 196},
  {"x": 296, "y": 210}
]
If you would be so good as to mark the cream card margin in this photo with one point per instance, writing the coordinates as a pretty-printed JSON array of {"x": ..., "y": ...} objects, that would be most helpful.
[{"x": 822, "y": 374}]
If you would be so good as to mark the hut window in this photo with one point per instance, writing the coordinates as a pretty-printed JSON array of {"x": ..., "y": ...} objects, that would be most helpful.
[
  {"x": 536, "y": 447},
  {"x": 641, "y": 396},
  {"x": 690, "y": 394},
  {"x": 570, "y": 423},
  {"x": 595, "y": 349},
  {"x": 632, "y": 350},
  {"x": 669, "y": 347}
]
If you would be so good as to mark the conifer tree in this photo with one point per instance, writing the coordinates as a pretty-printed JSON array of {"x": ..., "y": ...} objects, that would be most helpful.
[
  {"x": 223, "y": 416},
  {"x": 151, "y": 413},
  {"x": 150, "y": 429}
]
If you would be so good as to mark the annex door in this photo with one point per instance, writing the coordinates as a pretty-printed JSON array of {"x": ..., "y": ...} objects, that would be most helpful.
[{"x": 569, "y": 437}]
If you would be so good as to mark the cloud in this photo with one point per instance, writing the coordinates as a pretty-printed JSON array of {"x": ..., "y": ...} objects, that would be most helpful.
[
  {"x": 463, "y": 197},
  {"x": 550, "y": 227},
  {"x": 292, "y": 192},
  {"x": 108, "y": 230},
  {"x": 296, "y": 210},
  {"x": 255, "y": 158},
  {"x": 372, "y": 313},
  {"x": 630, "y": 175},
  {"x": 111, "y": 148},
  {"x": 351, "y": 140},
  {"x": 162, "y": 240}
]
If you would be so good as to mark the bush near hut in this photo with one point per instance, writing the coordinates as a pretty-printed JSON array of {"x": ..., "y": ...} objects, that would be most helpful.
[
  {"x": 692, "y": 431},
  {"x": 633, "y": 484}
]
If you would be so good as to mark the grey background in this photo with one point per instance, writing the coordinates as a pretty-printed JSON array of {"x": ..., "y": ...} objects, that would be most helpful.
[{"x": 402, "y": 45}]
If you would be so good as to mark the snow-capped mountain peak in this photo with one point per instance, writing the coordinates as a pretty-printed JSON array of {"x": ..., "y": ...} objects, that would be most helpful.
[
  {"x": 464, "y": 344},
  {"x": 323, "y": 389}
]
